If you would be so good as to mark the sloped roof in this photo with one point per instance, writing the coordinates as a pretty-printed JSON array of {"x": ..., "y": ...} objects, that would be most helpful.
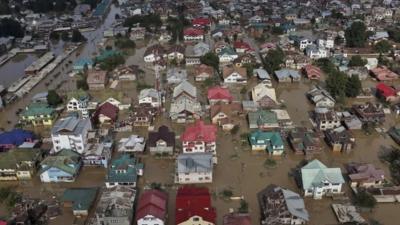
[
  {"x": 315, "y": 173},
  {"x": 164, "y": 134},
  {"x": 81, "y": 198},
  {"x": 152, "y": 202},
  {"x": 194, "y": 163},
  {"x": 186, "y": 87},
  {"x": 219, "y": 93},
  {"x": 200, "y": 132},
  {"x": 15, "y": 137},
  {"x": 107, "y": 109},
  {"x": 194, "y": 201}
]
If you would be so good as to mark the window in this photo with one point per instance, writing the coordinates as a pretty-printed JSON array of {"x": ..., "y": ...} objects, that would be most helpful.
[{"x": 196, "y": 219}]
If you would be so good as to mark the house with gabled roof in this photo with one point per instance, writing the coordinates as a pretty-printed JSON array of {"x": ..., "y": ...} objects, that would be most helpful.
[
  {"x": 365, "y": 175},
  {"x": 219, "y": 94},
  {"x": 268, "y": 141},
  {"x": 287, "y": 75},
  {"x": 184, "y": 110},
  {"x": 264, "y": 96},
  {"x": 193, "y": 206},
  {"x": 225, "y": 115},
  {"x": 319, "y": 180},
  {"x": 37, "y": 114},
  {"x": 234, "y": 75},
  {"x": 227, "y": 55},
  {"x": 151, "y": 96},
  {"x": 176, "y": 75},
  {"x": 124, "y": 171},
  {"x": 64, "y": 166},
  {"x": 184, "y": 90},
  {"x": 321, "y": 97},
  {"x": 263, "y": 119},
  {"x": 16, "y": 138},
  {"x": 106, "y": 113},
  {"x": 194, "y": 168},
  {"x": 161, "y": 141},
  {"x": 304, "y": 141},
  {"x": 132, "y": 144},
  {"x": 80, "y": 200},
  {"x": 203, "y": 72},
  {"x": 19, "y": 164},
  {"x": 152, "y": 208},
  {"x": 199, "y": 137}
]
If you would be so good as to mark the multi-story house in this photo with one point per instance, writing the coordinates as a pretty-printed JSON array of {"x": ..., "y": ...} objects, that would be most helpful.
[
  {"x": 64, "y": 166},
  {"x": 319, "y": 180},
  {"x": 365, "y": 175},
  {"x": 369, "y": 112},
  {"x": 199, "y": 138},
  {"x": 219, "y": 94},
  {"x": 152, "y": 208},
  {"x": 124, "y": 171},
  {"x": 281, "y": 206},
  {"x": 37, "y": 114},
  {"x": 161, "y": 141},
  {"x": 19, "y": 164},
  {"x": 78, "y": 101},
  {"x": 71, "y": 133},
  {"x": 193, "y": 206},
  {"x": 270, "y": 142},
  {"x": 304, "y": 141},
  {"x": 194, "y": 168},
  {"x": 234, "y": 75},
  {"x": 151, "y": 96},
  {"x": 325, "y": 119},
  {"x": 115, "y": 206}
]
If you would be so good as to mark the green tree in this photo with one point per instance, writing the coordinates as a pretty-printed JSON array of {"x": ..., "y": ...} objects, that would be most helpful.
[
  {"x": 10, "y": 27},
  {"x": 364, "y": 199},
  {"x": 383, "y": 46},
  {"x": 353, "y": 86},
  {"x": 277, "y": 30},
  {"x": 65, "y": 36},
  {"x": 112, "y": 62},
  {"x": 77, "y": 36},
  {"x": 244, "y": 207},
  {"x": 356, "y": 35},
  {"x": 339, "y": 40},
  {"x": 357, "y": 61},
  {"x": 53, "y": 98},
  {"x": 82, "y": 83},
  {"x": 273, "y": 60},
  {"x": 210, "y": 59},
  {"x": 336, "y": 84},
  {"x": 4, "y": 8},
  {"x": 326, "y": 65},
  {"x": 394, "y": 34},
  {"x": 55, "y": 36},
  {"x": 125, "y": 43},
  {"x": 148, "y": 21}
]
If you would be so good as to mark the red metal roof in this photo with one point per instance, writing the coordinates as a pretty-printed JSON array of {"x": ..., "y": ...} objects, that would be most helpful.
[
  {"x": 193, "y": 32},
  {"x": 200, "y": 132},
  {"x": 219, "y": 93},
  {"x": 153, "y": 203},
  {"x": 201, "y": 21},
  {"x": 194, "y": 201},
  {"x": 385, "y": 91},
  {"x": 312, "y": 71},
  {"x": 241, "y": 45},
  {"x": 107, "y": 109}
]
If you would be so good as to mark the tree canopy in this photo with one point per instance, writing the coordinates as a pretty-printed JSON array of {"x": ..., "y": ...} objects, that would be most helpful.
[
  {"x": 364, "y": 199},
  {"x": 124, "y": 43},
  {"x": 77, "y": 36},
  {"x": 44, "y": 6},
  {"x": 10, "y": 27},
  {"x": 353, "y": 86},
  {"x": 53, "y": 98},
  {"x": 394, "y": 34},
  {"x": 356, "y": 35},
  {"x": 112, "y": 62},
  {"x": 210, "y": 59},
  {"x": 147, "y": 21},
  {"x": 176, "y": 26},
  {"x": 273, "y": 60},
  {"x": 357, "y": 60},
  {"x": 383, "y": 46}
]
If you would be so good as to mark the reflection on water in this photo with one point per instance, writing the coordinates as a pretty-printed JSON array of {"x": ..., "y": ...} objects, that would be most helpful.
[{"x": 14, "y": 68}]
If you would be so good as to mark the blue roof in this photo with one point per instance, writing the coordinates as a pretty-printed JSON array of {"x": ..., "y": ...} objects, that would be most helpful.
[
  {"x": 83, "y": 62},
  {"x": 15, "y": 137}
]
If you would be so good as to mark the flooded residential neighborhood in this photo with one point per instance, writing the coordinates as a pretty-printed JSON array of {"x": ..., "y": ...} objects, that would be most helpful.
[{"x": 199, "y": 112}]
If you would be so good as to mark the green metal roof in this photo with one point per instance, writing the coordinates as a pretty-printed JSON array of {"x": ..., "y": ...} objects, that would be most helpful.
[
  {"x": 315, "y": 174},
  {"x": 10, "y": 159},
  {"x": 268, "y": 138},
  {"x": 81, "y": 198},
  {"x": 65, "y": 160},
  {"x": 124, "y": 169},
  {"x": 37, "y": 109}
]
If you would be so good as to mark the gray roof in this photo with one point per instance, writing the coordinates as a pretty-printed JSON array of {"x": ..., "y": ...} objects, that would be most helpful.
[
  {"x": 70, "y": 124},
  {"x": 195, "y": 163},
  {"x": 295, "y": 204},
  {"x": 148, "y": 92},
  {"x": 284, "y": 73},
  {"x": 185, "y": 86},
  {"x": 314, "y": 174},
  {"x": 262, "y": 74}
]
